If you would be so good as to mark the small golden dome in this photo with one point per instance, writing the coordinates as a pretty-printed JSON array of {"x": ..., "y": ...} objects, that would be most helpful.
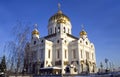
[
  {"x": 35, "y": 31},
  {"x": 83, "y": 33},
  {"x": 59, "y": 15}
]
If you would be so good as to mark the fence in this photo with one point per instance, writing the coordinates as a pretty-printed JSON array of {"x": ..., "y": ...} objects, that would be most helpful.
[{"x": 69, "y": 75}]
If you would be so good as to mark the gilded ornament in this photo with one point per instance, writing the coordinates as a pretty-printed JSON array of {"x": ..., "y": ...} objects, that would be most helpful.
[
  {"x": 61, "y": 21},
  {"x": 83, "y": 33},
  {"x": 35, "y": 32}
]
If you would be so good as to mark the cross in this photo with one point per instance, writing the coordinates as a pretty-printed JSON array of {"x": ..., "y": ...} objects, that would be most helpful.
[
  {"x": 35, "y": 26},
  {"x": 82, "y": 26},
  {"x": 59, "y": 6}
]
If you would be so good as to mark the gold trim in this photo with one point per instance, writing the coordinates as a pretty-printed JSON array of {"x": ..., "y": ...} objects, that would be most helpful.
[
  {"x": 83, "y": 33},
  {"x": 61, "y": 21},
  {"x": 35, "y": 32},
  {"x": 66, "y": 62}
]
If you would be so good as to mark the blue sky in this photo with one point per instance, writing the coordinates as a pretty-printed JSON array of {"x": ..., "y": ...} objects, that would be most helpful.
[{"x": 100, "y": 17}]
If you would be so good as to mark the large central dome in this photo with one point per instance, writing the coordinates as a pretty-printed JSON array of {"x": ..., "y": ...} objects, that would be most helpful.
[
  {"x": 59, "y": 15},
  {"x": 59, "y": 22}
]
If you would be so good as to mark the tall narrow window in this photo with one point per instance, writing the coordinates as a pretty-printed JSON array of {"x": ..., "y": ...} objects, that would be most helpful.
[
  {"x": 48, "y": 53},
  {"x": 55, "y": 29},
  {"x": 64, "y": 30},
  {"x": 58, "y": 29},
  {"x": 81, "y": 54},
  {"x": 34, "y": 42},
  {"x": 82, "y": 67},
  {"x": 51, "y": 30},
  {"x": 57, "y": 41},
  {"x": 86, "y": 43},
  {"x": 87, "y": 55},
  {"x": 74, "y": 54},
  {"x": 58, "y": 54},
  {"x": 92, "y": 56},
  {"x": 65, "y": 54},
  {"x": 68, "y": 31},
  {"x": 41, "y": 53}
]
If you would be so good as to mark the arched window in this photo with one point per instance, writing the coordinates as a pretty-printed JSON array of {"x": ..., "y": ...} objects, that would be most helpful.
[
  {"x": 58, "y": 29},
  {"x": 50, "y": 30},
  {"x": 81, "y": 54},
  {"x": 92, "y": 56},
  {"x": 48, "y": 65},
  {"x": 41, "y": 41},
  {"x": 65, "y": 41},
  {"x": 87, "y": 55},
  {"x": 65, "y": 54},
  {"x": 67, "y": 70},
  {"x": 58, "y": 54},
  {"x": 68, "y": 31},
  {"x": 93, "y": 68},
  {"x": 74, "y": 53},
  {"x": 80, "y": 41},
  {"x": 91, "y": 46},
  {"x": 41, "y": 53},
  {"x": 34, "y": 42},
  {"x": 48, "y": 53},
  {"x": 55, "y": 29},
  {"x": 75, "y": 69},
  {"x": 82, "y": 67},
  {"x": 64, "y": 30},
  {"x": 57, "y": 41},
  {"x": 86, "y": 43}
]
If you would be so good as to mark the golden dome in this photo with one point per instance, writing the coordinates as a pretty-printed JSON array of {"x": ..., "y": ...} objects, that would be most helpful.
[
  {"x": 59, "y": 16},
  {"x": 61, "y": 21},
  {"x": 35, "y": 31},
  {"x": 83, "y": 33}
]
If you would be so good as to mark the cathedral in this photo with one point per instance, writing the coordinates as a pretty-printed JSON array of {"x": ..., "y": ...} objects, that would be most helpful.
[{"x": 59, "y": 52}]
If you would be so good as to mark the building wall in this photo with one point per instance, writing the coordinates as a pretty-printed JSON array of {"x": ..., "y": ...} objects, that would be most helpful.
[
  {"x": 72, "y": 51},
  {"x": 61, "y": 49}
]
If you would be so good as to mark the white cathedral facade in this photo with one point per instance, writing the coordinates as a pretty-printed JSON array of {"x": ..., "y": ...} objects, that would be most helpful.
[{"x": 59, "y": 52}]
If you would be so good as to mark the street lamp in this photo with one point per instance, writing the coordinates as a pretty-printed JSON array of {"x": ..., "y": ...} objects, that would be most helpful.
[
  {"x": 38, "y": 65},
  {"x": 106, "y": 61},
  {"x": 101, "y": 65}
]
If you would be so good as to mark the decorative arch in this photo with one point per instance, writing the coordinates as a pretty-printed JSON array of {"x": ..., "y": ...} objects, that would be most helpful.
[
  {"x": 81, "y": 67},
  {"x": 55, "y": 29},
  {"x": 59, "y": 29},
  {"x": 64, "y": 30},
  {"x": 67, "y": 69}
]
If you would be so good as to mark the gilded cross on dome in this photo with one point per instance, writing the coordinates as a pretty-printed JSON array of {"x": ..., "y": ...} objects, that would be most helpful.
[
  {"x": 59, "y": 6},
  {"x": 82, "y": 26},
  {"x": 83, "y": 32},
  {"x": 35, "y": 26}
]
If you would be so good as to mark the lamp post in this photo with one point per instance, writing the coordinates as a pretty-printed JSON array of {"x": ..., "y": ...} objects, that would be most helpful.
[
  {"x": 106, "y": 61},
  {"x": 38, "y": 65},
  {"x": 110, "y": 66},
  {"x": 101, "y": 65}
]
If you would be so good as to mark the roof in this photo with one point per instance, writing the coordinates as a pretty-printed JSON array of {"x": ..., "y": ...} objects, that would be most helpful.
[
  {"x": 72, "y": 36},
  {"x": 52, "y": 35},
  {"x": 51, "y": 68}
]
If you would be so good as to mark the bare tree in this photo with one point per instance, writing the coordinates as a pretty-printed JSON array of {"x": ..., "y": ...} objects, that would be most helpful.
[
  {"x": 9, "y": 48},
  {"x": 106, "y": 61},
  {"x": 15, "y": 48}
]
